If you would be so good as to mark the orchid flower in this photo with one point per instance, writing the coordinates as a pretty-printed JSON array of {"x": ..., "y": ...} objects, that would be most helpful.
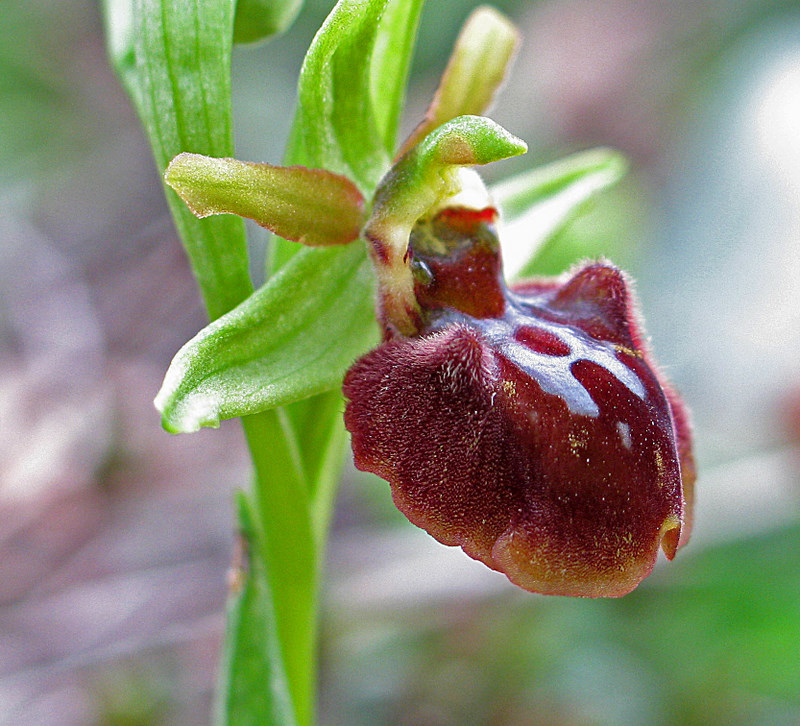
[{"x": 526, "y": 423}]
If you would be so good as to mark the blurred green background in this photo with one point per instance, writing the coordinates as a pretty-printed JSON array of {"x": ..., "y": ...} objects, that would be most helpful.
[{"x": 115, "y": 537}]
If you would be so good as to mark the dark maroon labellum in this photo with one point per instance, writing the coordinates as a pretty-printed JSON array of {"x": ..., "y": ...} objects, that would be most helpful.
[{"x": 527, "y": 425}]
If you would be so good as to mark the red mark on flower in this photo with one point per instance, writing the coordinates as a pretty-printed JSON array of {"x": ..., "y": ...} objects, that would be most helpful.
[{"x": 540, "y": 340}]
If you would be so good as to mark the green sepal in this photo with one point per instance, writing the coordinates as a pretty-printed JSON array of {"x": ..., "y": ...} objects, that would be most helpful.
[
  {"x": 429, "y": 175},
  {"x": 312, "y": 206},
  {"x": 477, "y": 67}
]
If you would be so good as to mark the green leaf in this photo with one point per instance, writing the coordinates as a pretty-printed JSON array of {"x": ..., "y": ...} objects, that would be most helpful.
[
  {"x": 261, "y": 19},
  {"x": 246, "y": 697},
  {"x": 338, "y": 125},
  {"x": 335, "y": 127},
  {"x": 312, "y": 206},
  {"x": 174, "y": 60},
  {"x": 391, "y": 61},
  {"x": 537, "y": 204},
  {"x": 477, "y": 67},
  {"x": 291, "y": 339}
]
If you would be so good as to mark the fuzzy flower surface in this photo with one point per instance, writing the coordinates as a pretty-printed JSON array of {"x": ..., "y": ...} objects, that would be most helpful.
[{"x": 528, "y": 425}]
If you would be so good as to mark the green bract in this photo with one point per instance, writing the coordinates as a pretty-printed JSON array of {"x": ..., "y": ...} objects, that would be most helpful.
[
  {"x": 280, "y": 345},
  {"x": 537, "y": 204}
]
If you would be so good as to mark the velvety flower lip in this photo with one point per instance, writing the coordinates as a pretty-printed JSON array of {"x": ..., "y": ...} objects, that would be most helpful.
[{"x": 527, "y": 425}]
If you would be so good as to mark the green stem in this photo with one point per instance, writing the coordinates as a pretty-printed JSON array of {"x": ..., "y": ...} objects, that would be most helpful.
[
  {"x": 174, "y": 60},
  {"x": 280, "y": 494}
]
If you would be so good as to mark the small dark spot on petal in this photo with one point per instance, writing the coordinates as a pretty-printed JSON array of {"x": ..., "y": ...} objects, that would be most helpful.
[{"x": 540, "y": 340}]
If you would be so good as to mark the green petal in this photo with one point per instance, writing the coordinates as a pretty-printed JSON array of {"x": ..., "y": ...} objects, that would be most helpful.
[
  {"x": 425, "y": 177},
  {"x": 312, "y": 206}
]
